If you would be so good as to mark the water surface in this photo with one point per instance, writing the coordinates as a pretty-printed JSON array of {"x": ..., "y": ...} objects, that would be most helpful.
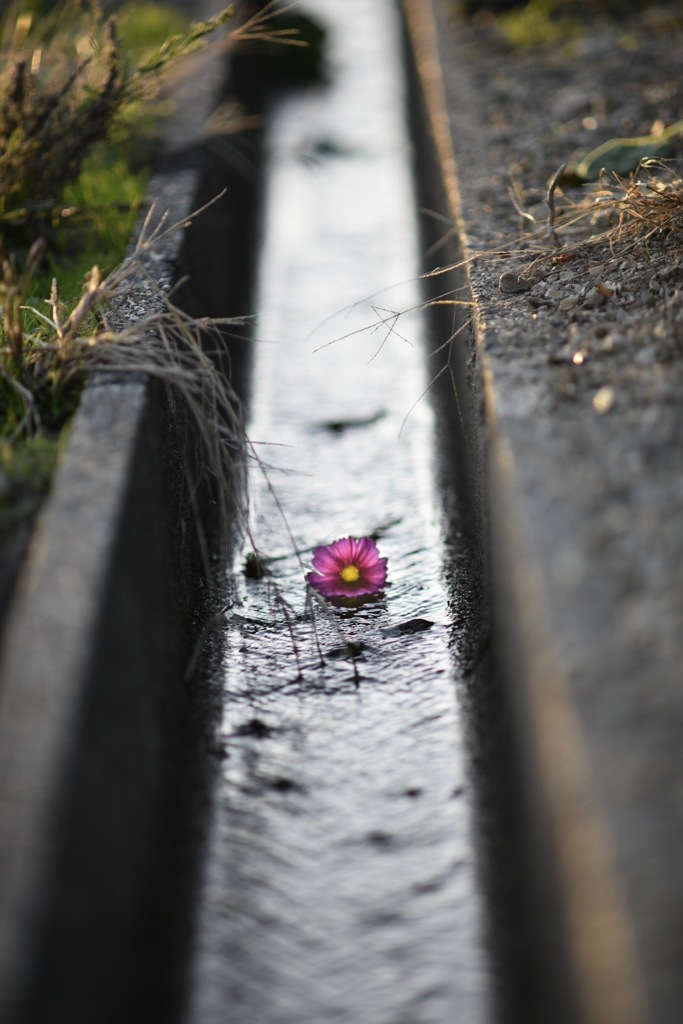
[{"x": 340, "y": 884}]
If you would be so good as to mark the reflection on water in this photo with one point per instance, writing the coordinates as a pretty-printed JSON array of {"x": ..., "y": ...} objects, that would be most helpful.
[{"x": 341, "y": 885}]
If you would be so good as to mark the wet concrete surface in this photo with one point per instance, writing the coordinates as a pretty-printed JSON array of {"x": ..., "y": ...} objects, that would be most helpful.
[{"x": 340, "y": 882}]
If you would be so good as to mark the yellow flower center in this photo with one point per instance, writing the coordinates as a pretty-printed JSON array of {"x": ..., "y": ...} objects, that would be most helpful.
[{"x": 350, "y": 574}]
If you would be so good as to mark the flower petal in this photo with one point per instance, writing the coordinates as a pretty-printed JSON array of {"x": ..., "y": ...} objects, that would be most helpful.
[
  {"x": 377, "y": 573},
  {"x": 344, "y": 550},
  {"x": 330, "y": 559},
  {"x": 325, "y": 561},
  {"x": 323, "y": 584},
  {"x": 367, "y": 553}
]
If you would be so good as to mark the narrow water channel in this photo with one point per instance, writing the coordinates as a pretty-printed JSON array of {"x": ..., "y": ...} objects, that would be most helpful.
[{"x": 340, "y": 884}]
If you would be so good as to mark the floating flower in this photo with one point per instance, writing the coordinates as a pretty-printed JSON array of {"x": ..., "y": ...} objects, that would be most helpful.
[{"x": 350, "y": 567}]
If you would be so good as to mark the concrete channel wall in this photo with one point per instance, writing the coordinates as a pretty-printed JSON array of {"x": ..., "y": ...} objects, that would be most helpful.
[{"x": 102, "y": 764}]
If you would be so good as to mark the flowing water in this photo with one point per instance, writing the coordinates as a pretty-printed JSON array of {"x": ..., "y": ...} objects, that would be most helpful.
[{"x": 340, "y": 883}]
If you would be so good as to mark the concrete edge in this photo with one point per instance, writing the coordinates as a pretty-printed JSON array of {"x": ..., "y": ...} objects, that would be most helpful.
[
  {"x": 581, "y": 937},
  {"x": 98, "y": 722},
  {"x": 64, "y": 705}
]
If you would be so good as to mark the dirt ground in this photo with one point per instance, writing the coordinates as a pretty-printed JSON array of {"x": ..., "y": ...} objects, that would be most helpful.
[{"x": 579, "y": 344}]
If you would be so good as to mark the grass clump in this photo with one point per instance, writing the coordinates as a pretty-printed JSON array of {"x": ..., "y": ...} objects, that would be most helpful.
[
  {"x": 637, "y": 208},
  {"x": 538, "y": 23},
  {"x": 545, "y": 23},
  {"x": 66, "y": 85},
  {"x": 74, "y": 94},
  {"x": 103, "y": 205},
  {"x": 25, "y": 475},
  {"x": 625, "y": 214},
  {"x": 49, "y": 354}
]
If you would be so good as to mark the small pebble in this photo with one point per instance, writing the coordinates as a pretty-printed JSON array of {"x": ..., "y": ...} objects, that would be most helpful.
[
  {"x": 603, "y": 399},
  {"x": 593, "y": 299},
  {"x": 509, "y": 282}
]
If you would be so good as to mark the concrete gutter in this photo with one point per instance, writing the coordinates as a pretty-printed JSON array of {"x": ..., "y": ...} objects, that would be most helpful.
[
  {"x": 101, "y": 784},
  {"x": 589, "y": 663},
  {"x": 102, "y": 788}
]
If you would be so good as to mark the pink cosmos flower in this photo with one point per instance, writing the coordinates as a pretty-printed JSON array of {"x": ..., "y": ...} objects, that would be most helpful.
[{"x": 350, "y": 567}]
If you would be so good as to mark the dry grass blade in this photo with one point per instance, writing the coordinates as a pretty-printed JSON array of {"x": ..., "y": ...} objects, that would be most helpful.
[
  {"x": 621, "y": 213},
  {"x": 259, "y": 27},
  {"x": 618, "y": 215},
  {"x": 160, "y": 341}
]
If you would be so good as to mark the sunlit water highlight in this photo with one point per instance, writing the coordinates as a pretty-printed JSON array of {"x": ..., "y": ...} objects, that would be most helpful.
[{"x": 340, "y": 884}]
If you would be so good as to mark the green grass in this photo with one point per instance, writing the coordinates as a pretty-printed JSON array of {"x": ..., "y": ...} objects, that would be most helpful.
[
  {"x": 102, "y": 207},
  {"x": 144, "y": 27},
  {"x": 93, "y": 225},
  {"x": 539, "y": 23},
  {"x": 25, "y": 474}
]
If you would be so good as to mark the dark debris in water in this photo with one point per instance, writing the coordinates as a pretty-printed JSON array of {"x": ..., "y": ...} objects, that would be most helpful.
[
  {"x": 408, "y": 628},
  {"x": 346, "y": 650},
  {"x": 283, "y": 784},
  {"x": 380, "y": 839},
  {"x": 353, "y": 423},
  {"x": 255, "y": 567},
  {"x": 256, "y": 728},
  {"x": 379, "y": 531},
  {"x": 325, "y": 148}
]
